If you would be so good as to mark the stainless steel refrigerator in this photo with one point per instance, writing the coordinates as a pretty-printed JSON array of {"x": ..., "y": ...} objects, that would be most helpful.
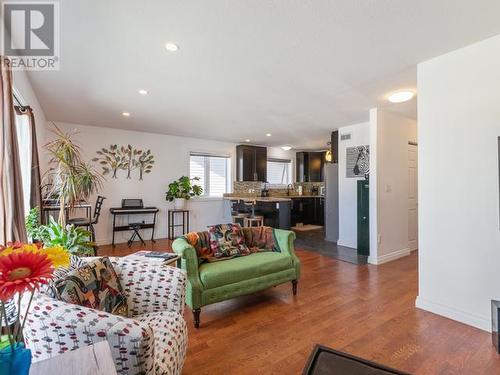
[{"x": 331, "y": 202}]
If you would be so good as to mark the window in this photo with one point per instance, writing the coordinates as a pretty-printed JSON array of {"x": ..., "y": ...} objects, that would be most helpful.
[
  {"x": 213, "y": 171},
  {"x": 23, "y": 133},
  {"x": 279, "y": 171}
]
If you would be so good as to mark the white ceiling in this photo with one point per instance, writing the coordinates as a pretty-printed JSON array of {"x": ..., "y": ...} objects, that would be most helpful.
[{"x": 295, "y": 68}]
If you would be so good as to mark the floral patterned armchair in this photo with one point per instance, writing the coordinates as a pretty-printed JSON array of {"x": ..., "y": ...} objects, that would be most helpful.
[{"x": 152, "y": 340}]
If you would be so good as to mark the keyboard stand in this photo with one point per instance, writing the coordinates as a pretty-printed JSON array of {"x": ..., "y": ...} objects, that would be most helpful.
[
  {"x": 119, "y": 211},
  {"x": 135, "y": 227}
]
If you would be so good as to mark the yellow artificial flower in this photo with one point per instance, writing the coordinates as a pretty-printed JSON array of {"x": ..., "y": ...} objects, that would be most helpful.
[{"x": 57, "y": 255}]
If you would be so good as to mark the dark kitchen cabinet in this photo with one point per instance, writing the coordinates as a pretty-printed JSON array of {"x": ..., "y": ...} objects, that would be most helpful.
[
  {"x": 251, "y": 163},
  {"x": 309, "y": 166},
  {"x": 320, "y": 211},
  {"x": 308, "y": 211}
]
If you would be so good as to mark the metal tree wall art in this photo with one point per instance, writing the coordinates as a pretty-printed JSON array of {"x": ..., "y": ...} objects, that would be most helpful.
[
  {"x": 145, "y": 163},
  {"x": 129, "y": 162},
  {"x": 126, "y": 158},
  {"x": 111, "y": 160}
]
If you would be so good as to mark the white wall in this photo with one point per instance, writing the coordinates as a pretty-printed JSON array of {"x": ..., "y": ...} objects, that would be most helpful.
[
  {"x": 172, "y": 161},
  {"x": 348, "y": 201},
  {"x": 393, "y": 132},
  {"x": 459, "y": 241}
]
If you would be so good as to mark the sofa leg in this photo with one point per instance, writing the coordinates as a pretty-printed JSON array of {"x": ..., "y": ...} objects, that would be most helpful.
[
  {"x": 294, "y": 287},
  {"x": 196, "y": 315}
]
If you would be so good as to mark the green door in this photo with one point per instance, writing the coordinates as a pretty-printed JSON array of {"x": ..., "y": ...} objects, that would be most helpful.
[{"x": 363, "y": 218}]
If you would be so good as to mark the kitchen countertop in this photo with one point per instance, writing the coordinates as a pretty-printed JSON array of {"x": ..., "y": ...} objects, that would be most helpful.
[
  {"x": 270, "y": 199},
  {"x": 258, "y": 199}
]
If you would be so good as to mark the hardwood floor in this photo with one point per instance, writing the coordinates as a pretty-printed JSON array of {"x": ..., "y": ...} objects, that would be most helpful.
[{"x": 368, "y": 311}]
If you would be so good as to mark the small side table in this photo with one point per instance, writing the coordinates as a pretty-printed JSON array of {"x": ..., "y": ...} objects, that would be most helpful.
[{"x": 172, "y": 214}]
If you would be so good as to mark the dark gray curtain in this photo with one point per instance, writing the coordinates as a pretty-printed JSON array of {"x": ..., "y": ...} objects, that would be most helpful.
[{"x": 11, "y": 188}]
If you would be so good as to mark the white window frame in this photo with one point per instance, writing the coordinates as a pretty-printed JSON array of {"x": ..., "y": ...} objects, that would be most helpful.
[
  {"x": 206, "y": 169},
  {"x": 290, "y": 171}
]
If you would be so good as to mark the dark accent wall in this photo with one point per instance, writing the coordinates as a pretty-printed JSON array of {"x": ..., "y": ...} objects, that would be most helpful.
[{"x": 335, "y": 147}]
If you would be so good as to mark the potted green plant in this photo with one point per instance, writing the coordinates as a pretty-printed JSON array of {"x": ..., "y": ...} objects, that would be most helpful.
[
  {"x": 73, "y": 239},
  {"x": 181, "y": 190},
  {"x": 71, "y": 179},
  {"x": 32, "y": 225}
]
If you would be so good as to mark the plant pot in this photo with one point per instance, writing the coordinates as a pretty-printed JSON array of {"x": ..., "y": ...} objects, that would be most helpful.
[
  {"x": 179, "y": 203},
  {"x": 17, "y": 361}
]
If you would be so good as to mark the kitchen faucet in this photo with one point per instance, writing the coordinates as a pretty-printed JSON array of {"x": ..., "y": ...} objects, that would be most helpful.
[{"x": 288, "y": 189}]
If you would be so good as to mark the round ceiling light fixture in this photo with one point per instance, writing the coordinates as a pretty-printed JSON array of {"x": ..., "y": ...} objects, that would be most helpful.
[
  {"x": 172, "y": 47},
  {"x": 126, "y": 114},
  {"x": 268, "y": 135},
  {"x": 142, "y": 92},
  {"x": 247, "y": 140},
  {"x": 286, "y": 148},
  {"x": 401, "y": 96}
]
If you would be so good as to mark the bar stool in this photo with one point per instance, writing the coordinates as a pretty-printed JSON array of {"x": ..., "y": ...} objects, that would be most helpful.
[
  {"x": 239, "y": 218},
  {"x": 250, "y": 221},
  {"x": 253, "y": 219}
]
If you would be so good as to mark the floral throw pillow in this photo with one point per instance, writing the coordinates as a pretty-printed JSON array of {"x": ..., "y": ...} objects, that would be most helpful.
[
  {"x": 201, "y": 243},
  {"x": 260, "y": 239},
  {"x": 227, "y": 241},
  {"x": 95, "y": 285}
]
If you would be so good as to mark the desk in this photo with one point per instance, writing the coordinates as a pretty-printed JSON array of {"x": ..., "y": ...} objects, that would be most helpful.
[
  {"x": 90, "y": 360},
  {"x": 118, "y": 211},
  {"x": 48, "y": 208}
]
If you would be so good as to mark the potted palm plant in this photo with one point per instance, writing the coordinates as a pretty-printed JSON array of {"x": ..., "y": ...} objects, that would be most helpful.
[
  {"x": 71, "y": 179},
  {"x": 181, "y": 190}
]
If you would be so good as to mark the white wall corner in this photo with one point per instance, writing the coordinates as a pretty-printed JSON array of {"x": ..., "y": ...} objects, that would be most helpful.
[
  {"x": 373, "y": 187},
  {"x": 478, "y": 321}
]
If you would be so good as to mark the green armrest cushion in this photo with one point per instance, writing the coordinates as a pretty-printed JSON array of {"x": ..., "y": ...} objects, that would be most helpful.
[{"x": 189, "y": 259}]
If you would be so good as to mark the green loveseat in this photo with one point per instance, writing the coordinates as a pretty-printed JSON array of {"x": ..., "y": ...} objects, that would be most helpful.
[{"x": 218, "y": 281}]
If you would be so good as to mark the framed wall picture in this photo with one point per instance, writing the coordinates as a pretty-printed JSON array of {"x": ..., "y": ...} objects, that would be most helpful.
[{"x": 358, "y": 161}]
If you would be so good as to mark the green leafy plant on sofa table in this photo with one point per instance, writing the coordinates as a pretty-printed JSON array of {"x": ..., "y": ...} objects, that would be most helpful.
[{"x": 183, "y": 189}]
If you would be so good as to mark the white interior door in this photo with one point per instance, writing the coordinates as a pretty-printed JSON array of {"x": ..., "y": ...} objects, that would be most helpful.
[{"x": 412, "y": 197}]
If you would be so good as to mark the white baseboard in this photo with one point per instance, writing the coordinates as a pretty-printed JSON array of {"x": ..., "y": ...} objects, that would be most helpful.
[
  {"x": 389, "y": 257},
  {"x": 453, "y": 313},
  {"x": 340, "y": 242}
]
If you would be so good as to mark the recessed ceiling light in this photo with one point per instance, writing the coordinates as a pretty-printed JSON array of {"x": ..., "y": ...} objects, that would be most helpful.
[
  {"x": 125, "y": 114},
  {"x": 143, "y": 92},
  {"x": 247, "y": 140},
  {"x": 172, "y": 47},
  {"x": 286, "y": 148},
  {"x": 401, "y": 96},
  {"x": 268, "y": 134}
]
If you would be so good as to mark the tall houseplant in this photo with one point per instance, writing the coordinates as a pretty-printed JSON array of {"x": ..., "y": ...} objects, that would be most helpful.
[
  {"x": 71, "y": 179},
  {"x": 183, "y": 189}
]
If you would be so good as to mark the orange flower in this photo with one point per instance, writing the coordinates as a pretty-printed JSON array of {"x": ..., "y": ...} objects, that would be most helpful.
[{"x": 25, "y": 271}]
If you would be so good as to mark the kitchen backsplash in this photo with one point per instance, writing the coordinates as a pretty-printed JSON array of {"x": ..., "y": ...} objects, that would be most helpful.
[{"x": 254, "y": 188}]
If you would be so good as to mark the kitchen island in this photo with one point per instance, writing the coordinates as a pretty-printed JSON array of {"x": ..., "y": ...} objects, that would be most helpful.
[{"x": 276, "y": 210}]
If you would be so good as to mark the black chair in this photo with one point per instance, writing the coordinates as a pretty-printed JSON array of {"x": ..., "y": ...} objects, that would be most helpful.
[{"x": 90, "y": 222}]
